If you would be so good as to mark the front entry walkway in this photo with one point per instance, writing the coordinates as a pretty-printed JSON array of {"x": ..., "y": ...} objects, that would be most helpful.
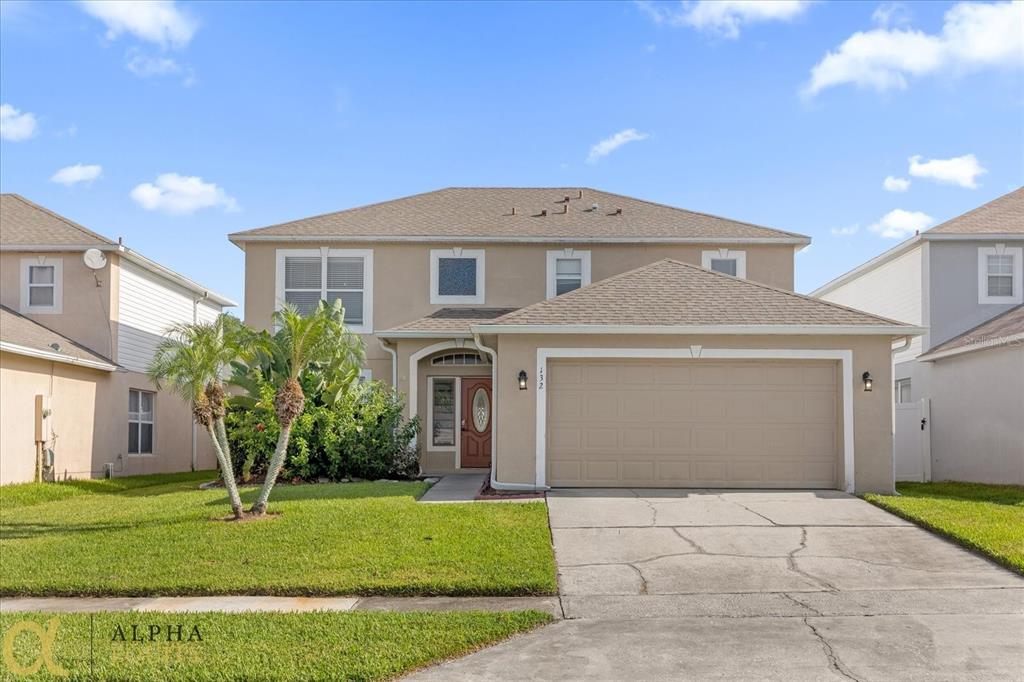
[
  {"x": 455, "y": 488},
  {"x": 759, "y": 585}
]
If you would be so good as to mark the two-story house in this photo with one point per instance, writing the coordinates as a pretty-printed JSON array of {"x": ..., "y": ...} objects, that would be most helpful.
[
  {"x": 80, "y": 317},
  {"x": 574, "y": 337},
  {"x": 959, "y": 388}
]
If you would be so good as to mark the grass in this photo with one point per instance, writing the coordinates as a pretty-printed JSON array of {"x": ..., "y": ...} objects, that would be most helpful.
[
  {"x": 260, "y": 646},
  {"x": 159, "y": 537},
  {"x": 987, "y": 518},
  {"x": 28, "y": 494}
]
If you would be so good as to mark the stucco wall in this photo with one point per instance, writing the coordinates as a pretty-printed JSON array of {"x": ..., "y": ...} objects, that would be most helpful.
[
  {"x": 515, "y": 443},
  {"x": 90, "y": 422},
  {"x": 515, "y": 276},
  {"x": 977, "y": 408}
]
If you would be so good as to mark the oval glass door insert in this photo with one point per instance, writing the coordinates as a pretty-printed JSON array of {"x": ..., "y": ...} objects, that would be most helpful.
[{"x": 481, "y": 410}]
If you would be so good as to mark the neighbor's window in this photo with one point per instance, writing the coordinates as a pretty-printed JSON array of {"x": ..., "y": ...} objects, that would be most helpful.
[
  {"x": 140, "y": 422},
  {"x": 456, "y": 276},
  {"x": 1000, "y": 274},
  {"x": 41, "y": 285},
  {"x": 306, "y": 277},
  {"x": 903, "y": 391},
  {"x": 568, "y": 270},
  {"x": 725, "y": 261},
  {"x": 442, "y": 413}
]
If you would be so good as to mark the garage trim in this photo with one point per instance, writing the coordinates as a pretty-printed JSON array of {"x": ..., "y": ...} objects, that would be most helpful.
[{"x": 845, "y": 358}]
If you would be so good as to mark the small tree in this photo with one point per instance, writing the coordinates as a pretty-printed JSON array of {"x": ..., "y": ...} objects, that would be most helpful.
[
  {"x": 193, "y": 359},
  {"x": 319, "y": 342}
]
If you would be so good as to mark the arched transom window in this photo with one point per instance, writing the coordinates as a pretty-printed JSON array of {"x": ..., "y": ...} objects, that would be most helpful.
[{"x": 461, "y": 359}]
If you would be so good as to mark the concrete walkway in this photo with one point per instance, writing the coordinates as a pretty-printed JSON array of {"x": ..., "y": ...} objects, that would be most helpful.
[
  {"x": 455, "y": 488},
  {"x": 694, "y": 585},
  {"x": 238, "y": 604}
]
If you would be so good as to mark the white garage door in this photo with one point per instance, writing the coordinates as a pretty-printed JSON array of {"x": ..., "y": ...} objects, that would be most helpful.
[{"x": 693, "y": 423}]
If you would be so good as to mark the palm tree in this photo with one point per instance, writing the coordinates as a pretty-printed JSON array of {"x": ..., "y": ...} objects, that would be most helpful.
[
  {"x": 193, "y": 359},
  {"x": 319, "y": 342}
]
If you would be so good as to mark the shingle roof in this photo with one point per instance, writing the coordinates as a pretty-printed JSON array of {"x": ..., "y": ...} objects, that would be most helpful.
[
  {"x": 999, "y": 331},
  {"x": 447, "y": 321},
  {"x": 24, "y": 223},
  {"x": 29, "y": 335},
  {"x": 1004, "y": 215},
  {"x": 516, "y": 213},
  {"x": 671, "y": 293}
]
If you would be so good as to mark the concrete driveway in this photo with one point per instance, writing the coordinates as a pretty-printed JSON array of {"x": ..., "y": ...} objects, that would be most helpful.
[{"x": 688, "y": 584}]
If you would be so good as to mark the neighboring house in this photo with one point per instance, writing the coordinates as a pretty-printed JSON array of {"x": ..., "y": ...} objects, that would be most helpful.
[
  {"x": 959, "y": 389},
  {"x": 79, "y": 337},
  {"x": 573, "y": 337}
]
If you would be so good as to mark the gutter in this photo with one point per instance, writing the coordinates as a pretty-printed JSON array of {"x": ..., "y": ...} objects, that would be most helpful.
[
  {"x": 752, "y": 329},
  {"x": 56, "y": 357},
  {"x": 238, "y": 239},
  {"x": 414, "y": 334}
]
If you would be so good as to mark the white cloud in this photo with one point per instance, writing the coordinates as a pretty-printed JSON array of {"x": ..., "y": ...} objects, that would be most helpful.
[
  {"x": 891, "y": 14},
  {"x": 897, "y": 224},
  {"x": 72, "y": 175},
  {"x": 974, "y": 36},
  {"x": 145, "y": 66},
  {"x": 961, "y": 170},
  {"x": 181, "y": 194},
  {"x": 723, "y": 17},
  {"x": 846, "y": 231},
  {"x": 610, "y": 144},
  {"x": 16, "y": 126},
  {"x": 893, "y": 184},
  {"x": 155, "y": 21}
]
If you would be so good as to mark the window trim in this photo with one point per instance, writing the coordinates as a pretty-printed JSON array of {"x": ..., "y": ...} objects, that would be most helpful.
[
  {"x": 1017, "y": 253},
  {"x": 566, "y": 254},
  {"x": 457, "y": 390},
  {"x": 897, "y": 385},
  {"x": 725, "y": 254},
  {"x": 140, "y": 422},
  {"x": 58, "y": 286},
  {"x": 324, "y": 253},
  {"x": 436, "y": 255}
]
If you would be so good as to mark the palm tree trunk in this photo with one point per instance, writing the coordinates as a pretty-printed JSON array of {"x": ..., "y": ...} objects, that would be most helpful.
[
  {"x": 260, "y": 506},
  {"x": 226, "y": 472}
]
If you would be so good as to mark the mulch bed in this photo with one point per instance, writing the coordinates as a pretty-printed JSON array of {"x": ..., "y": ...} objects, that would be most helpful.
[{"x": 488, "y": 493}]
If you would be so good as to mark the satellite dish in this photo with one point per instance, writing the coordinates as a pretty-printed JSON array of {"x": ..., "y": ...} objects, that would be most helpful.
[{"x": 94, "y": 259}]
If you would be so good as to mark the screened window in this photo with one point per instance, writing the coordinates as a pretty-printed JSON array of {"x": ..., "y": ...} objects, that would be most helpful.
[
  {"x": 456, "y": 276},
  {"x": 724, "y": 265},
  {"x": 442, "y": 413},
  {"x": 140, "y": 422},
  {"x": 1000, "y": 271},
  {"x": 41, "y": 285},
  {"x": 1000, "y": 275},
  {"x": 903, "y": 391},
  {"x": 726, "y": 261},
  {"x": 307, "y": 277},
  {"x": 568, "y": 270}
]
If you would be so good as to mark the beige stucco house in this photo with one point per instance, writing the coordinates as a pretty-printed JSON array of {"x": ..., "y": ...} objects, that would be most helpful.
[
  {"x": 573, "y": 337},
  {"x": 75, "y": 341}
]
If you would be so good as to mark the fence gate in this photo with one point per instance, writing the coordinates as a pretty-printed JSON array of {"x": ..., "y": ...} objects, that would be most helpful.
[{"x": 913, "y": 442}]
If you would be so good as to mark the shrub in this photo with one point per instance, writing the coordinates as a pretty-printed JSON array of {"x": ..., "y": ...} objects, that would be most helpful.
[{"x": 361, "y": 434}]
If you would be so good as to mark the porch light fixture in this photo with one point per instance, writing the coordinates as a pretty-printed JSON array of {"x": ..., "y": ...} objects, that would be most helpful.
[
  {"x": 522, "y": 380},
  {"x": 868, "y": 381}
]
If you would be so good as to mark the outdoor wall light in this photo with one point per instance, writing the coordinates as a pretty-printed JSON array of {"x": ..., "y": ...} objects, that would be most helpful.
[
  {"x": 522, "y": 380},
  {"x": 868, "y": 381}
]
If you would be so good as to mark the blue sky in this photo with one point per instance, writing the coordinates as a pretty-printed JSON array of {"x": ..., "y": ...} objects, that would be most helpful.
[{"x": 206, "y": 118}]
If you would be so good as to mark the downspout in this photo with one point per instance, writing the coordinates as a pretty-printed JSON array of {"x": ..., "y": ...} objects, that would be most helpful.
[
  {"x": 195, "y": 320},
  {"x": 495, "y": 483},
  {"x": 394, "y": 361}
]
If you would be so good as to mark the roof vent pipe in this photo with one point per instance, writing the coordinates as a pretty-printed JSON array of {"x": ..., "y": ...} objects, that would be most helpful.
[
  {"x": 513, "y": 210},
  {"x": 543, "y": 212}
]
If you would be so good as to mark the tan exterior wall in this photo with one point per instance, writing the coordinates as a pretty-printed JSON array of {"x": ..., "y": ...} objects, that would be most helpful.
[
  {"x": 515, "y": 444},
  {"x": 90, "y": 422},
  {"x": 976, "y": 410},
  {"x": 515, "y": 276}
]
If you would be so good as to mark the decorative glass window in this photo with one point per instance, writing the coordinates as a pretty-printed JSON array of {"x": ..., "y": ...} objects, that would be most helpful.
[
  {"x": 903, "y": 391},
  {"x": 481, "y": 410},
  {"x": 41, "y": 285},
  {"x": 442, "y": 413},
  {"x": 568, "y": 270},
  {"x": 140, "y": 422},
  {"x": 308, "y": 276},
  {"x": 1000, "y": 272},
  {"x": 725, "y": 261},
  {"x": 461, "y": 359},
  {"x": 456, "y": 276}
]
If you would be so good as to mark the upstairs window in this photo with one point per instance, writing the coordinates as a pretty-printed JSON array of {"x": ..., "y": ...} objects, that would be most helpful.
[
  {"x": 307, "y": 276},
  {"x": 999, "y": 274},
  {"x": 725, "y": 261},
  {"x": 41, "y": 285},
  {"x": 567, "y": 270},
  {"x": 456, "y": 276},
  {"x": 140, "y": 422}
]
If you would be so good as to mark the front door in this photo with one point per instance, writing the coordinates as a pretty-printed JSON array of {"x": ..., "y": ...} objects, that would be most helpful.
[{"x": 476, "y": 422}]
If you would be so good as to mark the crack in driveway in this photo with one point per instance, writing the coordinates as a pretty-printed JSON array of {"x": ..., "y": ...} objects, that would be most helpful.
[{"x": 833, "y": 660}]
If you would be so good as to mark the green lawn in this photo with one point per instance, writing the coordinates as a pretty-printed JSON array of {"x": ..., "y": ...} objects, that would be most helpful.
[
  {"x": 158, "y": 538},
  {"x": 258, "y": 646},
  {"x": 988, "y": 518}
]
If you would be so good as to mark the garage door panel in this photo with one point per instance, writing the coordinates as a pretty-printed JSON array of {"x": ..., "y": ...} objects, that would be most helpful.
[{"x": 698, "y": 423}]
